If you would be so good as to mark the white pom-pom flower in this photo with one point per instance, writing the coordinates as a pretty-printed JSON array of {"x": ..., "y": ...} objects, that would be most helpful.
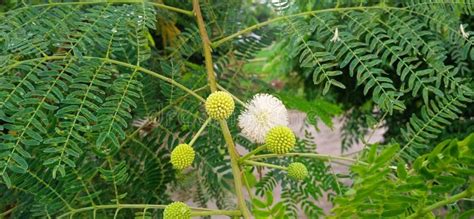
[{"x": 262, "y": 113}]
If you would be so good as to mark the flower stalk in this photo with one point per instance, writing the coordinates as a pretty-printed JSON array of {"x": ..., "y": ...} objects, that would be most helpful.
[
  {"x": 255, "y": 163},
  {"x": 195, "y": 211},
  {"x": 199, "y": 132},
  {"x": 325, "y": 157},
  {"x": 255, "y": 151},
  {"x": 233, "y": 96},
  {"x": 234, "y": 156}
]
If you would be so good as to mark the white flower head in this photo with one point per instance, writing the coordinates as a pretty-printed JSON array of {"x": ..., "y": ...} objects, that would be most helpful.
[{"x": 262, "y": 113}]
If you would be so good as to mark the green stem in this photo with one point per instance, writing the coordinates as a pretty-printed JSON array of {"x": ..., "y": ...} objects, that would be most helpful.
[
  {"x": 311, "y": 155},
  {"x": 196, "y": 211},
  {"x": 159, "y": 5},
  {"x": 206, "y": 46},
  {"x": 255, "y": 163},
  {"x": 7, "y": 212},
  {"x": 233, "y": 96},
  {"x": 247, "y": 185},
  {"x": 273, "y": 20},
  {"x": 255, "y": 151},
  {"x": 234, "y": 156},
  {"x": 198, "y": 133},
  {"x": 217, "y": 212},
  {"x": 124, "y": 64},
  {"x": 439, "y": 204}
]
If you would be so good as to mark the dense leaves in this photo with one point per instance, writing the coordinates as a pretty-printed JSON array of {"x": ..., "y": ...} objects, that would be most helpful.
[
  {"x": 95, "y": 95},
  {"x": 382, "y": 190}
]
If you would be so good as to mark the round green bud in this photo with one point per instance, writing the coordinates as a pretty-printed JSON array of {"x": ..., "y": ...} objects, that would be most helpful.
[
  {"x": 182, "y": 156},
  {"x": 219, "y": 105},
  {"x": 280, "y": 140},
  {"x": 177, "y": 210},
  {"x": 297, "y": 171}
]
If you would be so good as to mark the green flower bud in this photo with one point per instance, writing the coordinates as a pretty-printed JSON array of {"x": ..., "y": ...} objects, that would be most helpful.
[
  {"x": 182, "y": 156},
  {"x": 177, "y": 210},
  {"x": 297, "y": 171},
  {"x": 219, "y": 105},
  {"x": 280, "y": 140}
]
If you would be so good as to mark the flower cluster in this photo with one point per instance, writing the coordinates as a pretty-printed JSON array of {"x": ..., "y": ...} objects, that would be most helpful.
[
  {"x": 265, "y": 121},
  {"x": 280, "y": 140},
  {"x": 177, "y": 210},
  {"x": 182, "y": 156},
  {"x": 219, "y": 105},
  {"x": 261, "y": 114},
  {"x": 297, "y": 171}
]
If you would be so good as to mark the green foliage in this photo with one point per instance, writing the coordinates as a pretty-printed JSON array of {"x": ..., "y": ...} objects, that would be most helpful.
[
  {"x": 315, "y": 109},
  {"x": 298, "y": 195},
  {"x": 94, "y": 96},
  {"x": 410, "y": 58},
  {"x": 266, "y": 208},
  {"x": 382, "y": 190}
]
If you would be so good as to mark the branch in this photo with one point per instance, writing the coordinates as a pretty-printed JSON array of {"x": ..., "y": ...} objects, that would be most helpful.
[
  {"x": 325, "y": 157},
  {"x": 158, "y": 5},
  {"x": 217, "y": 212},
  {"x": 255, "y": 163},
  {"x": 234, "y": 156},
  {"x": 8, "y": 212},
  {"x": 198, "y": 133},
  {"x": 439, "y": 204},
  {"x": 273, "y": 20},
  {"x": 124, "y": 64},
  {"x": 255, "y": 151},
  {"x": 233, "y": 96},
  {"x": 196, "y": 211}
]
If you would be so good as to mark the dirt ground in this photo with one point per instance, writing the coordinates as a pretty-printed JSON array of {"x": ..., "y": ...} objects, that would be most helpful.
[{"x": 328, "y": 141}]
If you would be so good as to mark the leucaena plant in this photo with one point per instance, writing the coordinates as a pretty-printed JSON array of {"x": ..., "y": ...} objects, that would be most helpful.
[{"x": 108, "y": 107}]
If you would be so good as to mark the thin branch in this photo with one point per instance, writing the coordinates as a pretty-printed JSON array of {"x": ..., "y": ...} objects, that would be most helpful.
[
  {"x": 198, "y": 133},
  {"x": 7, "y": 212},
  {"x": 273, "y": 20},
  {"x": 217, "y": 212},
  {"x": 234, "y": 156},
  {"x": 158, "y": 5},
  {"x": 247, "y": 185},
  {"x": 255, "y": 163},
  {"x": 233, "y": 96},
  {"x": 124, "y": 64},
  {"x": 439, "y": 204},
  {"x": 255, "y": 151},
  {"x": 325, "y": 157},
  {"x": 196, "y": 211}
]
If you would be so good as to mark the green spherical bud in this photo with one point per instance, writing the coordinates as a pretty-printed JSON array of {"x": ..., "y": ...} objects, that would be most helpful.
[
  {"x": 182, "y": 156},
  {"x": 280, "y": 140},
  {"x": 177, "y": 210},
  {"x": 297, "y": 171},
  {"x": 219, "y": 105}
]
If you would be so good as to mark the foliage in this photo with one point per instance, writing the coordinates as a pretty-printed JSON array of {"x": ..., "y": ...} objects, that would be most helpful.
[
  {"x": 381, "y": 190},
  {"x": 94, "y": 96},
  {"x": 403, "y": 57}
]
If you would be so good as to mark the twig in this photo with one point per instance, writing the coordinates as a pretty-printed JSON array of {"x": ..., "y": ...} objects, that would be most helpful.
[
  {"x": 255, "y": 163},
  {"x": 234, "y": 156}
]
